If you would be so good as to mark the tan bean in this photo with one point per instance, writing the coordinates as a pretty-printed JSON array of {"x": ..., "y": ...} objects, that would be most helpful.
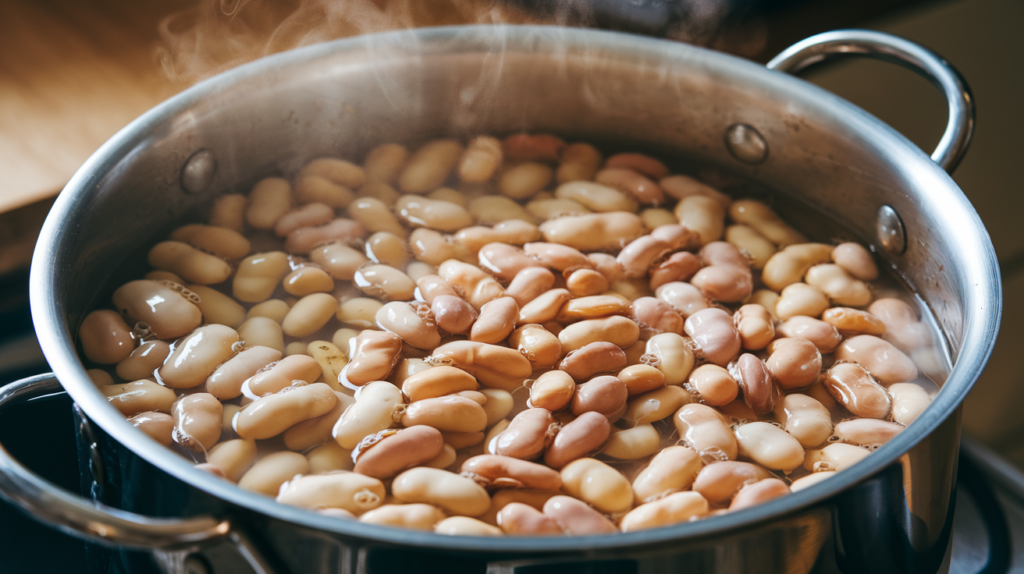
[
  {"x": 705, "y": 430},
  {"x": 656, "y": 216},
  {"x": 767, "y": 299},
  {"x": 838, "y": 285},
  {"x": 360, "y": 312},
  {"x": 417, "y": 211},
  {"x": 597, "y": 484},
  {"x": 540, "y": 347},
  {"x": 758, "y": 493},
  {"x": 529, "y": 433},
  {"x": 343, "y": 337},
  {"x": 390, "y": 452},
  {"x": 234, "y": 457},
  {"x": 544, "y": 307},
  {"x": 197, "y": 421},
  {"x": 714, "y": 334},
  {"x": 384, "y": 282},
  {"x": 493, "y": 366},
  {"x": 258, "y": 275},
  {"x": 908, "y": 402},
  {"x": 760, "y": 392},
  {"x": 375, "y": 215},
  {"x": 794, "y": 362},
  {"x": 309, "y": 215},
  {"x": 702, "y": 214},
  {"x": 804, "y": 418},
  {"x": 853, "y": 321},
  {"x": 450, "y": 413},
  {"x": 465, "y": 526},
  {"x": 597, "y": 197},
  {"x": 498, "y": 406},
  {"x": 720, "y": 482},
  {"x": 641, "y": 378},
  {"x": 432, "y": 286},
  {"x": 753, "y": 244},
  {"x": 577, "y": 518},
  {"x": 630, "y": 182},
  {"x": 270, "y": 199},
  {"x": 791, "y": 264},
  {"x": 271, "y": 415},
  {"x": 462, "y": 440},
  {"x": 418, "y": 269},
  {"x": 558, "y": 257},
  {"x": 453, "y": 493},
  {"x": 512, "y": 232},
  {"x": 552, "y": 391},
  {"x": 453, "y": 314},
  {"x": 592, "y": 359},
  {"x": 810, "y": 480},
  {"x": 196, "y": 357},
  {"x": 585, "y": 283},
  {"x": 340, "y": 261},
  {"x": 801, "y": 299},
  {"x": 229, "y": 211},
  {"x": 670, "y": 354},
  {"x": 168, "y": 313},
  {"x": 387, "y": 248},
  {"x": 309, "y": 315},
  {"x": 765, "y": 221},
  {"x": 337, "y": 170},
  {"x": 655, "y": 316},
  {"x": 856, "y": 261},
  {"x": 480, "y": 160},
  {"x": 473, "y": 284},
  {"x": 615, "y": 329},
  {"x": 350, "y": 491},
  {"x": 437, "y": 382},
  {"x": 305, "y": 239},
  {"x": 413, "y": 516},
  {"x": 517, "y": 518},
  {"x": 330, "y": 359},
  {"x": 866, "y": 432},
  {"x": 837, "y": 457},
  {"x": 671, "y": 470},
  {"x": 217, "y": 307},
  {"x": 329, "y": 457},
  {"x": 605, "y": 395},
  {"x": 495, "y": 209},
  {"x": 552, "y": 208},
  {"x": 106, "y": 338},
  {"x": 635, "y": 443},
  {"x": 683, "y": 297},
  {"x": 373, "y": 412},
  {"x": 823, "y": 335},
  {"x": 316, "y": 189},
  {"x": 262, "y": 332},
  {"x": 384, "y": 162},
  {"x": 158, "y": 426},
  {"x": 579, "y": 161},
  {"x": 595, "y": 231},
  {"x": 644, "y": 164},
  {"x": 524, "y": 180},
  {"x": 681, "y": 187},
  {"x": 769, "y": 446},
  {"x": 273, "y": 470},
  {"x": 379, "y": 191},
  {"x": 295, "y": 348},
  {"x": 727, "y": 277},
  {"x": 496, "y": 471},
  {"x": 755, "y": 327},
  {"x": 162, "y": 276},
  {"x": 854, "y": 387},
  {"x": 504, "y": 261},
  {"x": 714, "y": 385},
  {"x": 226, "y": 381},
  {"x": 412, "y": 323},
  {"x": 281, "y": 374},
  {"x": 581, "y": 437},
  {"x": 677, "y": 267},
  {"x": 883, "y": 360},
  {"x": 318, "y": 430},
  {"x": 673, "y": 509},
  {"x": 496, "y": 321},
  {"x": 372, "y": 355},
  {"x": 430, "y": 166},
  {"x": 656, "y": 405}
]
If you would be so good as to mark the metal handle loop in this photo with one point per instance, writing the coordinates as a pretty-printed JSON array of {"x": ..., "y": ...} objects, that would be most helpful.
[
  {"x": 881, "y": 46},
  {"x": 84, "y": 518}
]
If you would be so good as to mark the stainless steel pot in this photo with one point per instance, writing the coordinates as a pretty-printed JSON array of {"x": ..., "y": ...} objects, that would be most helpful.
[{"x": 806, "y": 147}]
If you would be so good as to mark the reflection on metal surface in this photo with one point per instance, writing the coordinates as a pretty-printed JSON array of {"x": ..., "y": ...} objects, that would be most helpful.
[
  {"x": 746, "y": 144},
  {"x": 891, "y": 232},
  {"x": 199, "y": 171}
]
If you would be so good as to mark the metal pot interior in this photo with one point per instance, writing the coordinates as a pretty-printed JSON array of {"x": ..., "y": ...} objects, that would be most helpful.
[{"x": 828, "y": 164}]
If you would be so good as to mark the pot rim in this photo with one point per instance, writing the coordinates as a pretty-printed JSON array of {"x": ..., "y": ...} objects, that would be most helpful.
[{"x": 982, "y": 308}]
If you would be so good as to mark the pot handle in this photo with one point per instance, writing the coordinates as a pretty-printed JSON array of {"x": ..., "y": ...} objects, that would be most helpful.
[
  {"x": 881, "y": 46},
  {"x": 97, "y": 522}
]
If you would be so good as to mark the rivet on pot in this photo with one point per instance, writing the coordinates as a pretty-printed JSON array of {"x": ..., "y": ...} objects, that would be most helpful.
[
  {"x": 746, "y": 144},
  {"x": 891, "y": 232},
  {"x": 198, "y": 172}
]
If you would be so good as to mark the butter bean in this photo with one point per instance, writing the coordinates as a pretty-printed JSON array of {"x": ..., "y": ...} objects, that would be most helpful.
[
  {"x": 753, "y": 244},
  {"x": 462, "y": 440},
  {"x": 856, "y": 261},
  {"x": 597, "y": 484},
  {"x": 644, "y": 164},
  {"x": 305, "y": 239},
  {"x": 769, "y": 446},
  {"x": 597, "y": 197},
  {"x": 727, "y": 276},
  {"x": 677, "y": 267},
  {"x": 760, "y": 393},
  {"x": 702, "y": 214},
  {"x": 271, "y": 415},
  {"x": 670, "y": 354},
  {"x": 791, "y": 264},
  {"x": 374, "y": 215},
  {"x": 219, "y": 241},
  {"x": 804, "y": 418},
  {"x": 714, "y": 385},
  {"x": 309, "y": 315},
  {"x": 449, "y": 413},
  {"x": 767, "y": 299},
  {"x": 226, "y": 381},
  {"x": 430, "y": 166},
  {"x": 714, "y": 334},
  {"x": 384, "y": 162},
  {"x": 453, "y": 314},
  {"x": 673, "y": 509},
  {"x": 229, "y": 211},
  {"x": 445, "y": 216},
  {"x": 270, "y": 199},
  {"x": 540, "y": 347},
  {"x": 615, "y": 329},
  {"x": 837, "y": 457},
  {"x": 634, "y": 443},
  {"x": 350, "y": 491},
  {"x": 495, "y": 209},
  {"x": 504, "y": 261},
  {"x": 524, "y": 180},
  {"x": 908, "y": 402},
  {"x": 309, "y": 215},
  {"x": 464, "y": 526},
  {"x": 317, "y": 189},
  {"x": 106, "y": 338},
  {"x": 641, "y": 378},
  {"x": 158, "y": 426},
  {"x": 595, "y": 231},
  {"x": 655, "y": 316},
  {"x": 838, "y": 285},
  {"x": 761, "y": 217},
  {"x": 378, "y": 190},
  {"x": 810, "y": 480},
  {"x": 281, "y": 374},
  {"x": 705, "y": 430},
  {"x": 902, "y": 328},
  {"x": 329, "y": 457},
  {"x": 604, "y": 395},
  {"x": 683, "y": 297},
  {"x": 196, "y": 357},
  {"x": 473, "y": 284},
  {"x": 581, "y": 437},
  {"x": 217, "y": 307},
  {"x": 234, "y": 457},
  {"x": 579, "y": 161},
  {"x": 262, "y": 332},
  {"x": 384, "y": 282},
  {"x": 558, "y": 257},
  {"x": 496, "y": 471},
  {"x": 330, "y": 359},
  {"x": 529, "y": 433},
  {"x": 630, "y": 182},
  {"x": 720, "y": 482},
  {"x": 197, "y": 421},
  {"x": 656, "y": 405},
  {"x": 681, "y": 187},
  {"x": 547, "y": 209},
  {"x": 512, "y": 232},
  {"x": 480, "y": 160},
  {"x": 671, "y": 470},
  {"x": 390, "y": 452},
  {"x": 496, "y": 321},
  {"x": 360, "y": 312},
  {"x": 866, "y": 432},
  {"x": 437, "y": 382},
  {"x": 801, "y": 299},
  {"x": 754, "y": 325},
  {"x": 758, "y": 493},
  {"x": 432, "y": 286},
  {"x": 339, "y": 261},
  {"x": 498, "y": 406},
  {"x": 553, "y": 391},
  {"x": 418, "y": 269},
  {"x": 517, "y": 518},
  {"x": 655, "y": 217},
  {"x": 168, "y": 314},
  {"x": 413, "y": 516},
  {"x": 412, "y": 323},
  {"x": 373, "y": 412},
  {"x": 544, "y": 307},
  {"x": 272, "y": 471},
  {"x": 853, "y": 321},
  {"x": 883, "y": 360},
  {"x": 294, "y": 348},
  {"x": 318, "y": 430},
  {"x": 451, "y": 492},
  {"x": 163, "y": 276},
  {"x": 592, "y": 359},
  {"x": 585, "y": 283},
  {"x": 577, "y": 518},
  {"x": 493, "y": 366},
  {"x": 823, "y": 335},
  {"x": 794, "y": 362},
  {"x": 372, "y": 356},
  {"x": 335, "y": 170},
  {"x": 258, "y": 275},
  {"x": 854, "y": 388}
]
